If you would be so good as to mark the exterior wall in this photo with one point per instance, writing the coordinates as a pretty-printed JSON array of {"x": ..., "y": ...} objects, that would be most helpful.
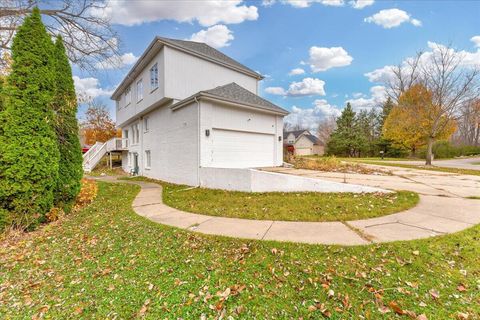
[
  {"x": 214, "y": 115},
  {"x": 251, "y": 180},
  {"x": 186, "y": 75},
  {"x": 319, "y": 150},
  {"x": 126, "y": 112},
  {"x": 303, "y": 146},
  {"x": 290, "y": 138},
  {"x": 172, "y": 139}
]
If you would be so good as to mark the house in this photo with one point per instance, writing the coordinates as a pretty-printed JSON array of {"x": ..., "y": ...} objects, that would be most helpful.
[
  {"x": 303, "y": 143},
  {"x": 185, "y": 107}
]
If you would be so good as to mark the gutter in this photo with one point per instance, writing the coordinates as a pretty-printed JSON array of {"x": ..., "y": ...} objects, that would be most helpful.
[{"x": 199, "y": 140}]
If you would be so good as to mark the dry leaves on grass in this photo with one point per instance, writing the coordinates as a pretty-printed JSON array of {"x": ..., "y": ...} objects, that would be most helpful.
[
  {"x": 87, "y": 194},
  {"x": 332, "y": 164}
]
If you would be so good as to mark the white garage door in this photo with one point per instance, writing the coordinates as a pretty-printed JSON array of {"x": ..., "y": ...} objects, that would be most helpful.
[{"x": 235, "y": 149}]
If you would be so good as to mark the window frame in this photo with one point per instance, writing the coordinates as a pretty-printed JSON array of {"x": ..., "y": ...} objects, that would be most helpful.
[
  {"x": 154, "y": 81},
  {"x": 146, "y": 126},
  {"x": 148, "y": 159},
  {"x": 139, "y": 92},
  {"x": 128, "y": 95}
]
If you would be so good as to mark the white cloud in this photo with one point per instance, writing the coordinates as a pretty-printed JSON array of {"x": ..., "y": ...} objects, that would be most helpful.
[
  {"x": 217, "y": 36},
  {"x": 89, "y": 88},
  {"x": 322, "y": 59},
  {"x": 279, "y": 91},
  {"x": 206, "y": 13},
  {"x": 386, "y": 74},
  {"x": 391, "y": 18},
  {"x": 296, "y": 71},
  {"x": 360, "y": 4},
  {"x": 309, "y": 118},
  {"x": 117, "y": 62},
  {"x": 307, "y": 3},
  {"x": 476, "y": 41},
  {"x": 377, "y": 97},
  {"x": 307, "y": 87}
]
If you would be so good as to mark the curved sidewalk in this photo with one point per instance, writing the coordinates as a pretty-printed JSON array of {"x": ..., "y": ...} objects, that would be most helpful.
[{"x": 431, "y": 217}]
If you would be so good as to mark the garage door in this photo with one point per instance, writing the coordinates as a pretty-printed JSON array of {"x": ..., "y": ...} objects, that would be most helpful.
[{"x": 236, "y": 149}]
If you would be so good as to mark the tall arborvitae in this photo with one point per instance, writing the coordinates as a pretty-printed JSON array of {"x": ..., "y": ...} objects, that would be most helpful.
[
  {"x": 65, "y": 107},
  {"x": 28, "y": 144}
]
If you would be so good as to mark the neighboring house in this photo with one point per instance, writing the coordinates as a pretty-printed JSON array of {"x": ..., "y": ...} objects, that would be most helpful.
[
  {"x": 303, "y": 142},
  {"x": 185, "y": 106}
]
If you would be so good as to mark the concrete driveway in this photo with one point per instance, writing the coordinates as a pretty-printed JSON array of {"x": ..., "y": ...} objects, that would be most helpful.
[
  {"x": 443, "y": 208},
  {"x": 472, "y": 163}
]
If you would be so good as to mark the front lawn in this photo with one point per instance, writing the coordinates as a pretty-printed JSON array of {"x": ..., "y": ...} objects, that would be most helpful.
[
  {"x": 106, "y": 262},
  {"x": 286, "y": 206}
]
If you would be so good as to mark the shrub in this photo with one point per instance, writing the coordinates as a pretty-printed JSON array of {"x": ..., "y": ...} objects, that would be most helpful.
[
  {"x": 28, "y": 144},
  {"x": 444, "y": 149}
]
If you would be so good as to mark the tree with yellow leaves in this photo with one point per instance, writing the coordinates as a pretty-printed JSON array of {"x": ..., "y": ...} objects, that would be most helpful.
[{"x": 416, "y": 121}]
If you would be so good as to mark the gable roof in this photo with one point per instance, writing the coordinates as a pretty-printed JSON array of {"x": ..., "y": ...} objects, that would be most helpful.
[
  {"x": 296, "y": 133},
  {"x": 207, "y": 51},
  {"x": 198, "y": 49},
  {"x": 234, "y": 93},
  {"x": 305, "y": 133}
]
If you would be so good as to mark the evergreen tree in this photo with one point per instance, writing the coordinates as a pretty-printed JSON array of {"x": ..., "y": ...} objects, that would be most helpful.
[
  {"x": 28, "y": 144},
  {"x": 65, "y": 106},
  {"x": 384, "y": 144},
  {"x": 344, "y": 140},
  {"x": 2, "y": 94}
]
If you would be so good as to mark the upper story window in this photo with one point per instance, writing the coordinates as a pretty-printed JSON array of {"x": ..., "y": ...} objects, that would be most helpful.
[
  {"x": 128, "y": 96},
  {"x": 154, "y": 77},
  {"x": 139, "y": 90}
]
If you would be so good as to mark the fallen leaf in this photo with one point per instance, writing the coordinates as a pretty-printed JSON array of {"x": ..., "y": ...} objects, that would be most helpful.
[
  {"x": 461, "y": 287},
  {"x": 462, "y": 316},
  {"x": 415, "y": 252},
  {"x": 396, "y": 308},
  {"x": 434, "y": 293},
  {"x": 422, "y": 317}
]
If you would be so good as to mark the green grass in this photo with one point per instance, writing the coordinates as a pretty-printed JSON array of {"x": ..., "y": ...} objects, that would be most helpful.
[
  {"x": 106, "y": 262},
  {"x": 287, "y": 206},
  {"x": 430, "y": 168}
]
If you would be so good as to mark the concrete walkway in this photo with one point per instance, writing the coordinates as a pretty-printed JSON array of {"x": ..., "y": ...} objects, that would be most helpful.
[{"x": 440, "y": 211}]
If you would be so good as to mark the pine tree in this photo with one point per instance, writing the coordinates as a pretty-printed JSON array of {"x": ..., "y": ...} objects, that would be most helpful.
[
  {"x": 28, "y": 144},
  {"x": 344, "y": 140},
  {"x": 66, "y": 125}
]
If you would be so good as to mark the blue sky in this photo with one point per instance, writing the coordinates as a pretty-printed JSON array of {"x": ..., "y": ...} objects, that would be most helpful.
[{"x": 336, "y": 43}]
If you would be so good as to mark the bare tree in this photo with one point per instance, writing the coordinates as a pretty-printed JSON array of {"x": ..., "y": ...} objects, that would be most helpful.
[
  {"x": 444, "y": 74},
  {"x": 88, "y": 35},
  {"x": 468, "y": 132},
  {"x": 325, "y": 129}
]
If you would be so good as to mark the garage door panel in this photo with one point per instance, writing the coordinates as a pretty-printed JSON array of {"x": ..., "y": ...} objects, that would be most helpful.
[{"x": 236, "y": 149}]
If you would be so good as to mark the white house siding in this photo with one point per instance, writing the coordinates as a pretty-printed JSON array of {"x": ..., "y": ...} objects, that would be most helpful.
[
  {"x": 172, "y": 139},
  {"x": 188, "y": 75},
  {"x": 125, "y": 112},
  {"x": 239, "y": 138}
]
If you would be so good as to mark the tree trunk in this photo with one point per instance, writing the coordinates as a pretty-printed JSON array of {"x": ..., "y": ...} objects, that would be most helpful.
[{"x": 430, "y": 142}]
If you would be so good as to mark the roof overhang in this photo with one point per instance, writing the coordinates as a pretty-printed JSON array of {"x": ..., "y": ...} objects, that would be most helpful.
[
  {"x": 208, "y": 97},
  {"x": 155, "y": 47},
  {"x": 162, "y": 102}
]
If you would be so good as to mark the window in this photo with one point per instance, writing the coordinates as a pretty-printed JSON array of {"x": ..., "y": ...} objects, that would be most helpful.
[
  {"x": 139, "y": 90},
  {"x": 128, "y": 96},
  {"x": 117, "y": 104},
  {"x": 154, "y": 77},
  {"x": 125, "y": 135},
  {"x": 148, "y": 159},
  {"x": 137, "y": 133},
  {"x": 129, "y": 159},
  {"x": 145, "y": 124}
]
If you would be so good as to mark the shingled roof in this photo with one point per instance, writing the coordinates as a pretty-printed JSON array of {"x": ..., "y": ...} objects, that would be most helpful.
[
  {"x": 205, "y": 50},
  {"x": 234, "y": 93}
]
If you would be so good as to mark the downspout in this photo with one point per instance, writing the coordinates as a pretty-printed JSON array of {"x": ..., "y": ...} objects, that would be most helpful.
[{"x": 199, "y": 140}]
